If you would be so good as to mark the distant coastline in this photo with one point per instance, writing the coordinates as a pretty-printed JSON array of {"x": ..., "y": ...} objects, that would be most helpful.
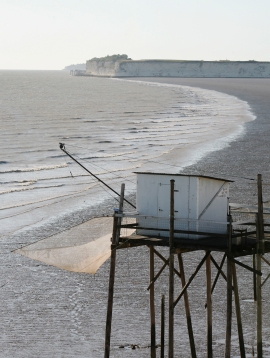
[
  {"x": 123, "y": 66},
  {"x": 78, "y": 66}
]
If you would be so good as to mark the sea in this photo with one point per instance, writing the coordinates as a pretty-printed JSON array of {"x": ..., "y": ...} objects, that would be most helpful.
[{"x": 113, "y": 127}]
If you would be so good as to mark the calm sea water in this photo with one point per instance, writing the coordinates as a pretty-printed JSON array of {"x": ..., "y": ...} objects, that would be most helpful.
[{"x": 114, "y": 127}]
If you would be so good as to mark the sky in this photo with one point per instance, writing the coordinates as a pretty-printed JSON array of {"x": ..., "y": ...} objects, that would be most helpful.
[{"x": 51, "y": 34}]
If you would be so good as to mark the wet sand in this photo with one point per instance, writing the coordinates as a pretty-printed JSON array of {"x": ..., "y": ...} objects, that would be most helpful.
[{"x": 48, "y": 312}]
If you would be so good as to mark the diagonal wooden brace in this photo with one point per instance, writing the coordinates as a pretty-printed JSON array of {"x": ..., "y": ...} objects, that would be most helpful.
[
  {"x": 192, "y": 277},
  {"x": 164, "y": 260},
  {"x": 266, "y": 261},
  {"x": 246, "y": 266},
  {"x": 158, "y": 274},
  {"x": 219, "y": 268},
  {"x": 217, "y": 276},
  {"x": 265, "y": 280}
]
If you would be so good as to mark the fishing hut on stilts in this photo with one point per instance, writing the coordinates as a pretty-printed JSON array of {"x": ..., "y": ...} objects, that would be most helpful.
[{"x": 189, "y": 213}]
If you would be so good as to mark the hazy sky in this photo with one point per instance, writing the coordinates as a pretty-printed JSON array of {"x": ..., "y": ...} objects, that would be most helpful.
[{"x": 50, "y": 34}]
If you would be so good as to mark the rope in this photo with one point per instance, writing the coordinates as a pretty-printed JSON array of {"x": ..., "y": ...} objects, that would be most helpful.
[{"x": 62, "y": 147}]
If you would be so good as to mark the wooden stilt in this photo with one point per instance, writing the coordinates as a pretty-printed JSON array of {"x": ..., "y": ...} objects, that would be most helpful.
[
  {"x": 229, "y": 310},
  {"x": 259, "y": 310},
  {"x": 162, "y": 331},
  {"x": 229, "y": 294},
  {"x": 171, "y": 274},
  {"x": 260, "y": 237},
  {"x": 254, "y": 277},
  {"x": 152, "y": 304},
  {"x": 110, "y": 304},
  {"x": 112, "y": 274},
  {"x": 188, "y": 316},
  {"x": 209, "y": 307},
  {"x": 238, "y": 313}
]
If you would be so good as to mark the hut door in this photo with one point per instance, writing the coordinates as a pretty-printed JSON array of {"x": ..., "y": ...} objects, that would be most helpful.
[{"x": 164, "y": 200}]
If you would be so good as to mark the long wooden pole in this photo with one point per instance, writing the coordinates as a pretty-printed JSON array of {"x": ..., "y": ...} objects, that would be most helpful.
[
  {"x": 187, "y": 309},
  {"x": 115, "y": 235},
  {"x": 260, "y": 208},
  {"x": 209, "y": 307},
  {"x": 229, "y": 294},
  {"x": 254, "y": 277},
  {"x": 259, "y": 310},
  {"x": 229, "y": 310},
  {"x": 260, "y": 237},
  {"x": 171, "y": 273},
  {"x": 152, "y": 304},
  {"x": 162, "y": 331},
  {"x": 238, "y": 313}
]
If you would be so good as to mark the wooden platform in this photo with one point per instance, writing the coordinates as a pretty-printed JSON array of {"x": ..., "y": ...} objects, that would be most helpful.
[{"x": 241, "y": 246}]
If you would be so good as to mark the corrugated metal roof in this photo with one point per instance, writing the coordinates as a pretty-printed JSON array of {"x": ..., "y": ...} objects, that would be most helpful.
[{"x": 186, "y": 175}]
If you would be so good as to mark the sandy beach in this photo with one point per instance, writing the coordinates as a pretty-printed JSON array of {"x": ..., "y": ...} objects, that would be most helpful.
[{"x": 56, "y": 313}]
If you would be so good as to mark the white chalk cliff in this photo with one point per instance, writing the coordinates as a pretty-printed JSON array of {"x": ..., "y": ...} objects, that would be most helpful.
[{"x": 166, "y": 68}]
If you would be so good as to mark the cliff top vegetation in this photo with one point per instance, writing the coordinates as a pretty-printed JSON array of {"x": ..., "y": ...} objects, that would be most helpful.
[{"x": 112, "y": 58}]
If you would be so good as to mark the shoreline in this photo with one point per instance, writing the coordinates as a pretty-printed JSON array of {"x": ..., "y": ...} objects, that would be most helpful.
[{"x": 194, "y": 152}]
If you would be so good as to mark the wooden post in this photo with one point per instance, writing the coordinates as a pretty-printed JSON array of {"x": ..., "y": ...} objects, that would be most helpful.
[
  {"x": 152, "y": 304},
  {"x": 254, "y": 277},
  {"x": 229, "y": 309},
  {"x": 171, "y": 273},
  {"x": 260, "y": 208},
  {"x": 229, "y": 293},
  {"x": 115, "y": 237},
  {"x": 121, "y": 205},
  {"x": 162, "y": 331},
  {"x": 260, "y": 237},
  {"x": 209, "y": 307},
  {"x": 259, "y": 310},
  {"x": 187, "y": 309},
  {"x": 238, "y": 313}
]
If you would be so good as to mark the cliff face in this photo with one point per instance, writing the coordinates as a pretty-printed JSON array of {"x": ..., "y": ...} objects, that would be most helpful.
[
  {"x": 163, "y": 68},
  {"x": 101, "y": 68}
]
